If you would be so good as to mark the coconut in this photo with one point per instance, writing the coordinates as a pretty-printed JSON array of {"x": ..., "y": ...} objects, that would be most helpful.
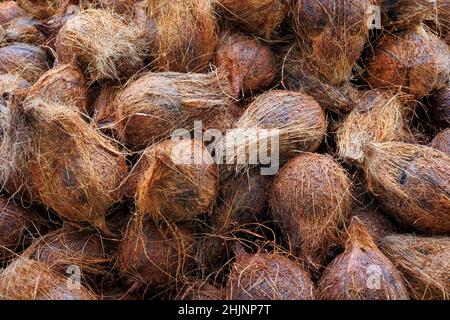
[
  {"x": 377, "y": 117},
  {"x": 361, "y": 272},
  {"x": 260, "y": 17},
  {"x": 440, "y": 110},
  {"x": 198, "y": 289},
  {"x": 26, "y": 279},
  {"x": 310, "y": 201},
  {"x": 103, "y": 43},
  {"x": 377, "y": 224},
  {"x": 23, "y": 60},
  {"x": 119, "y": 6},
  {"x": 251, "y": 66},
  {"x": 43, "y": 9},
  {"x": 52, "y": 25},
  {"x": 23, "y": 30},
  {"x": 268, "y": 276},
  {"x": 442, "y": 141},
  {"x": 414, "y": 61},
  {"x": 152, "y": 106},
  {"x": 104, "y": 107},
  {"x": 423, "y": 261},
  {"x": 9, "y": 84},
  {"x": 411, "y": 182},
  {"x": 9, "y": 10}
]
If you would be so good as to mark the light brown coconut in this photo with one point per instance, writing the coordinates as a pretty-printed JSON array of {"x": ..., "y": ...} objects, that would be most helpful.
[
  {"x": 152, "y": 106},
  {"x": 23, "y": 60},
  {"x": 423, "y": 262},
  {"x": 251, "y": 65},
  {"x": 198, "y": 289},
  {"x": 26, "y": 279},
  {"x": 377, "y": 223},
  {"x": 310, "y": 201},
  {"x": 411, "y": 182},
  {"x": 440, "y": 109},
  {"x": 23, "y": 29},
  {"x": 361, "y": 272},
  {"x": 9, "y": 10},
  {"x": 260, "y": 17},
  {"x": 442, "y": 141},
  {"x": 414, "y": 61},
  {"x": 268, "y": 276},
  {"x": 103, "y": 43},
  {"x": 104, "y": 107}
]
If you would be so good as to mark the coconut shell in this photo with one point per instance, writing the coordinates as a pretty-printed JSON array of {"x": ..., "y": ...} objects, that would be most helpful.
[
  {"x": 310, "y": 201},
  {"x": 414, "y": 61},
  {"x": 111, "y": 47},
  {"x": 105, "y": 108},
  {"x": 442, "y": 141},
  {"x": 377, "y": 224},
  {"x": 268, "y": 276},
  {"x": 423, "y": 262},
  {"x": 251, "y": 66},
  {"x": 440, "y": 109},
  {"x": 9, "y": 10},
  {"x": 23, "y": 30},
  {"x": 361, "y": 272},
  {"x": 200, "y": 290},
  {"x": 411, "y": 182},
  {"x": 26, "y": 279},
  {"x": 152, "y": 106}
]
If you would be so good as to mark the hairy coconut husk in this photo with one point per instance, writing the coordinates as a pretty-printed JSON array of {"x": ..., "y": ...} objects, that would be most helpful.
[
  {"x": 9, "y": 84},
  {"x": 64, "y": 84},
  {"x": 103, "y": 43},
  {"x": 67, "y": 164},
  {"x": 26, "y": 279},
  {"x": 43, "y": 9},
  {"x": 377, "y": 117},
  {"x": 23, "y": 60},
  {"x": 179, "y": 183},
  {"x": 361, "y": 272},
  {"x": 198, "y": 289},
  {"x": 441, "y": 22},
  {"x": 260, "y": 17},
  {"x": 251, "y": 66},
  {"x": 411, "y": 182},
  {"x": 310, "y": 201},
  {"x": 377, "y": 224},
  {"x": 9, "y": 10},
  {"x": 104, "y": 107},
  {"x": 442, "y": 141},
  {"x": 414, "y": 61},
  {"x": 423, "y": 261},
  {"x": 52, "y": 25},
  {"x": 440, "y": 110},
  {"x": 25, "y": 30},
  {"x": 152, "y": 106},
  {"x": 119, "y": 6},
  {"x": 267, "y": 276}
]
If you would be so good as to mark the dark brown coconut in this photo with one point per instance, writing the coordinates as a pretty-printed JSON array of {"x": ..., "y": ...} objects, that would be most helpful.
[
  {"x": 251, "y": 66},
  {"x": 414, "y": 61},
  {"x": 310, "y": 201},
  {"x": 155, "y": 104},
  {"x": 411, "y": 182},
  {"x": 103, "y": 43},
  {"x": 260, "y": 17},
  {"x": 9, "y": 10},
  {"x": 26, "y": 279},
  {"x": 23, "y": 30},
  {"x": 442, "y": 141},
  {"x": 423, "y": 261},
  {"x": 377, "y": 224},
  {"x": 104, "y": 107},
  {"x": 200, "y": 290},
  {"x": 268, "y": 276},
  {"x": 440, "y": 109},
  {"x": 361, "y": 272}
]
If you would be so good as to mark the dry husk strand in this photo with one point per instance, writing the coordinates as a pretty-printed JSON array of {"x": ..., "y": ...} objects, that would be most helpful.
[
  {"x": 423, "y": 261},
  {"x": 361, "y": 272},
  {"x": 23, "y": 60},
  {"x": 152, "y": 106},
  {"x": 310, "y": 201},
  {"x": 260, "y": 17},
  {"x": 268, "y": 276},
  {"x": 9, "y": 10},
  {"x": 377, "y": 223},
  {"x": 198, "y": 289},
  {"x": 414, "y": 61},
  {"x": 26, "y": 279},
  {"x": 49, "y": 150},
  {"x": 411, "y": 182},
  {"x": 440, "y": 109},
  {"x": 103, "y": 43},
  {"x": 251, "y": 65},
  {"x": 442, "y": 141},
  {"x": 23, "y": 30},
  {"x": 377, "y": 117}
]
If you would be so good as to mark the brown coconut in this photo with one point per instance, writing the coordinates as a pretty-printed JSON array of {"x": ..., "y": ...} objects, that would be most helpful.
[
  {"x": 361, "y": 272},
  {"x": 43, "y": 9},
  {"x": 26, "y": 279},
  {"x": 103, "y": 44},
  {"x": 9, "y": 10},
  {"x": 260, "y": 17},
  {"x": 423, "y": 262},
  {"x": 310, "y": 201},
  {"x": 25, "y": 30},
  {"x": 377, "y": 224},
  {"x": 198, "y": 289},
  {"x": 251, "y": 65},
  {"x": 440, "y": 109},
  {"x": 442, "y": 141},
  {"x": 152, "y": 106},
  {"x": 414, "y": 61},
  {"x": 268, "y": 276},
  {"x": 411, "y": 182}
]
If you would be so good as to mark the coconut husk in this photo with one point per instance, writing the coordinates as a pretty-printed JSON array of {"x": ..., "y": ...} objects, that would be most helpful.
[
  {"x": 118, "y": 6},
  {"x": 152, "y": 106},
  {"x": 377, "y": 223},
  {"x": 9, "y": 84},
  {"x": 442, "y": 141},
  {"x": 411, "y": 182},
  {"x": 26, "y": 279},
  {"x": 198, "y": 289},
  {"x": 423, "y": 262},
  {"x": 361, "y": 272},
  {"x": 310, "y": 201},
  {"x": 260, "y": 17},
  {"x": 251, "y": 65},
  {"x": 52, "y": 25},
  {"x": 43, "y": 9},
  {"x": 23, "y": 29},
  {"x": 440, "y": 109},
  {"x": 414, "y": 61},
  {"x": 9, "y": 10},
  {"x": 104, "y": 107},
  {"x": 102, "y": 43}
]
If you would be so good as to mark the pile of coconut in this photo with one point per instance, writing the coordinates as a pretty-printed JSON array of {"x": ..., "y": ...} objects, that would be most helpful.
[{"x": 116, "y": 180}]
